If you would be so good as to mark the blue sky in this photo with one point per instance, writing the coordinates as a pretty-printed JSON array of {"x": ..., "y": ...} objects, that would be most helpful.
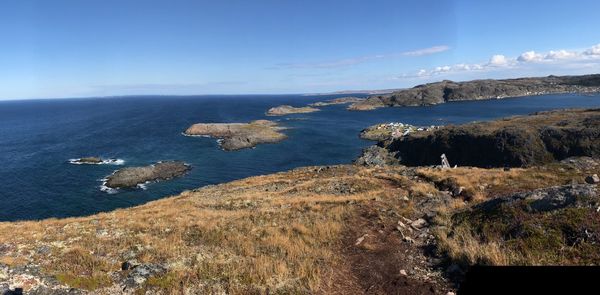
[{"x": 80, "y": 48}]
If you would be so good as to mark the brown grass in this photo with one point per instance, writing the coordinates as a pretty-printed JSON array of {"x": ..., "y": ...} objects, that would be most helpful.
[{"x": 241, "y": 237}]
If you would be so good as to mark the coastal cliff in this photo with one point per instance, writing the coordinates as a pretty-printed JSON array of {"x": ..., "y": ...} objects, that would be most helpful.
[
  {"x": 448, "y": 91},
  {"x": 517, "y": 141}
]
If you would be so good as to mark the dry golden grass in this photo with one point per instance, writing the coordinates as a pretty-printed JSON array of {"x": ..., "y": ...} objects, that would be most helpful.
[
  {"x": 277, "y": 232},
  {"x": 488, "y": 183}
]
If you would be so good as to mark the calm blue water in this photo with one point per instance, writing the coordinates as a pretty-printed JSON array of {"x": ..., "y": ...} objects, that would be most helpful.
[{"x": 37, "y": 137}]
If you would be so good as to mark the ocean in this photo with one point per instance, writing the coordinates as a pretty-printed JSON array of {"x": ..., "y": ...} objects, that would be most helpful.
[{"x": 38, "y": 137}]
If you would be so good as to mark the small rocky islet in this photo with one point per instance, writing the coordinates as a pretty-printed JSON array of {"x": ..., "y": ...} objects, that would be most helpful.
[
  {"x": 133, "y": 176},
  {"x": 236, "y": 136},
  {"x": 283, "y": 110}
]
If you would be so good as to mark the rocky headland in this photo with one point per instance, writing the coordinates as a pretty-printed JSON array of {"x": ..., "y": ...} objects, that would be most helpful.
[
  {"x": 283, "y": 110},
  {"x": 519, "y": 141},
  {"x": 133, "y": 176},
  {"x": 336, "y": 101},
  {"x": 448, "y": 91},
  {"x": 235, "y": 136}
]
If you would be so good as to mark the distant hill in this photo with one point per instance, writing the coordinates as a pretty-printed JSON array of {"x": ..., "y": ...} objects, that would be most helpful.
[{"x": 445, "y": 91}]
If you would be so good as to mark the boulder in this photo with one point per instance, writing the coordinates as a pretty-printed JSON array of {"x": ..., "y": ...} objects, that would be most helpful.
[{"x": 592, "y": 179}]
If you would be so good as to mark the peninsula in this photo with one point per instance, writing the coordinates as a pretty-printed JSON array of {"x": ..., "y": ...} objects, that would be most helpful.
[{"x": 447, "y": 91}]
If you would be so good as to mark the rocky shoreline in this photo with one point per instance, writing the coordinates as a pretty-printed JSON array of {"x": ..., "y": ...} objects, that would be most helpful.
[
  {"x": 448, "y": 91},
  {"x": 133, "y": 176},
  {"x": 236, "y": 136}
]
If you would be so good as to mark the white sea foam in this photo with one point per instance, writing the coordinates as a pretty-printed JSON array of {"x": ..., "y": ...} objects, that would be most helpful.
[
  {"x": 196, "y": 135},
  {"x": 106, "y": 189},
  {"x": 104, "y": 162},
  {"x": 143, "y": 186}
]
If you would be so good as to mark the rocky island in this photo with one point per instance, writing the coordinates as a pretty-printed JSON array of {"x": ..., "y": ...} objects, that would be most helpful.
[
  {"x": 447, "y": 91},
  {"x": 133, "y": 176},
  {"x": 287, "y": 109},
  {"x": 235, "y": 136}
]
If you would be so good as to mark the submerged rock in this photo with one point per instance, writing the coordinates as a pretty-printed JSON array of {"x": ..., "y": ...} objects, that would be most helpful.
[
  {"x": 287, "y": 109},
  {"x": 235, "y": 136},
  {"x": 132, "y": 176}
]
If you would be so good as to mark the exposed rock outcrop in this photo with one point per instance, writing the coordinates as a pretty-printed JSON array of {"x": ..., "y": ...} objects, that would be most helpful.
[
  {"x": 287, "y": 109},
  {"x": 376, "y": 156},
  {"x": 553, "y": 225},
  {"x": 132, "y": 176},
  {"x": 447, "y": 91},
  {"x": 518, "y": 141},
  {"x": 235, "y": 136}
]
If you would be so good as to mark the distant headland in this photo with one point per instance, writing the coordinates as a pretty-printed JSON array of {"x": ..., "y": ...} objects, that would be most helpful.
[{"x": 447, "y": 91}]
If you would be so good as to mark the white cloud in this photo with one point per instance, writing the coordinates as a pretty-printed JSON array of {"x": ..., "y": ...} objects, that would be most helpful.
[
  {"x": 560, "y": 54},
  {"x": 530, "y": 56},
  {"x": 363, "y": 59},
  {"x": 559, "y": 59},
  {"x": 595, "y": 50},
  {"x": 427, "y": 51},
  {"x": 498, "y": 60}
]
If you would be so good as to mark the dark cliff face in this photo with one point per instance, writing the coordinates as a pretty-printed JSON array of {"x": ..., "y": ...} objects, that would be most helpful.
[
  {"x": 517, "y": 142},
  {"x": 445, "y": 91}
]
